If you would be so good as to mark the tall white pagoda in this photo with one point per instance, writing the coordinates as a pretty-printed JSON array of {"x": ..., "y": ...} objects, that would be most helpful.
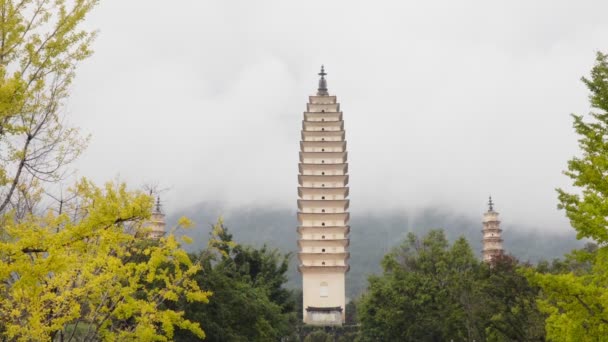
[
  {"x": 323, "y": 209},
  {"x": 492, "y": 239}
]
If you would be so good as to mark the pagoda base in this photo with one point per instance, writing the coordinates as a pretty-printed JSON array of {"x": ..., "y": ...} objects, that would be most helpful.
[{"x": 323, "y": 316}]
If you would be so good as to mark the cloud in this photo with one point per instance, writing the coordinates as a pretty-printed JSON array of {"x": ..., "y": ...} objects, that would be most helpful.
[{"x": 444, "y": 102}]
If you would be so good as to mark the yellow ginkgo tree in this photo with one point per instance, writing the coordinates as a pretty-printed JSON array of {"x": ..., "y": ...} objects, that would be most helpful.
[
  {"x": 41, "y": 44},
  {"x": 90, "y": 273}
]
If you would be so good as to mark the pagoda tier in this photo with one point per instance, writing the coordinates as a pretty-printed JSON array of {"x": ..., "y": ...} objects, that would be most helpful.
[
  {"x": 329, "y": 206},
  {"x": 323, "y": 126},
  {"x": 323, "y": 181},
  {"x": 323, "y": 157},
  {"x": 313, "y": 117},
  {"x": 323, "y": 231},
  {"x": 325, "y": 193},
  {"x": 323, "y": 169},
  {"x": 324, "y": 243},
  {"x": 323, "y": 210},
  {"x": 323, "y": 135},
  {"x": 323, "y": 146},
  {"x": 492, "y": 234}
]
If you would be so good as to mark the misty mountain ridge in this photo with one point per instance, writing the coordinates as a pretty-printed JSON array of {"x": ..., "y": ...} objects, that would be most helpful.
[{"x": 372, "y": 235}]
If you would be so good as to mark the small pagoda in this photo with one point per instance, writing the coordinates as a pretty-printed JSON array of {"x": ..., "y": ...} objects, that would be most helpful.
[
  {"x": 155, "y": 226},
  {"x": 492, "y": 239}
]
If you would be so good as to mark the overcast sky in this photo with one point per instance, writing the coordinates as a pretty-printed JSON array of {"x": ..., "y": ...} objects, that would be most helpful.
[{"x": 444, "y": 102}]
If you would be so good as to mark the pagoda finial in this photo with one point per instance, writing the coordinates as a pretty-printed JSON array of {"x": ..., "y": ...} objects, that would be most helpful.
[
  {"x": 491, "y": 204},
  {"x": 157, "y": 206},
  {"x": 322, "y": 91}
]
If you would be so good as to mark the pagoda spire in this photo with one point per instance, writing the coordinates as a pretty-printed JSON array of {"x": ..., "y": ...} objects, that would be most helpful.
[
  {"x": 490, "y": 204},
  {"x": 322, "y": 91},
  {"x": 157, "y": 205}
]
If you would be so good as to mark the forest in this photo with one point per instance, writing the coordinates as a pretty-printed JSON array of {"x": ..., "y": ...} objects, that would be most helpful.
[{"x": 80, "y": 266}]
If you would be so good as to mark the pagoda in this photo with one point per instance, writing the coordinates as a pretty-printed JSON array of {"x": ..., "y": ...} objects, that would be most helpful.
[
  {"x": 155, "y": 226},
  {"x": 323, "y": 209},
  {"x": 492, "y": 240}
]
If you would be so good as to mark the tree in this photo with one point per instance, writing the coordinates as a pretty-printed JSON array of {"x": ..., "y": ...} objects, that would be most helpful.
[
  {"x": 83, "y": 274},
  {"x": 577, "y": 301},
  {"x": 318, "y": 336},
  {"x": 420, "y": 295},
  {"x": 249, "y": 301},
  {"x": 508, "y": 309},
  {"x": 41, "y": 43},
  {"x": 431, "y": 291}
]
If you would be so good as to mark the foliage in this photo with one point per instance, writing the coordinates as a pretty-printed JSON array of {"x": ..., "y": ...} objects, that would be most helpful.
[
  {"x": 574, "y": 296},
  {"x": 413, "y": 288},
  {"x": 260, "y": 225},
  {"x": 86, "y": 268},
  {"x": 41, "y": 43},
  {"x": 588, "y": 211},
  {"x": 576, "y": 299},
  {"x": 351, "y": 313},
  {"x": 318, "y": 336},
  {"x": 430, "y": 291},
  {"x": 249, "y": 301},
  {"x": 338, "y": 333},
  {"x": 508, "y": 302}
]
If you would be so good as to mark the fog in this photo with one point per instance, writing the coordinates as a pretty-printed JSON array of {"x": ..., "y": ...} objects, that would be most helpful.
[{"x": 444, "y": 102}]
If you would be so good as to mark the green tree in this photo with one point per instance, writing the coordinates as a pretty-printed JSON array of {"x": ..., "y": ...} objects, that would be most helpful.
[
  {"x": 318, "y": 336},
  {"x": 507, "y": 301},
  {"x": 249, "y": 301},
  {"x": 431, "y": 291},
  {"x": 351, "y": 313},
  {"x": 577, "y": 301},
  {"x": 420, "y": 295}
]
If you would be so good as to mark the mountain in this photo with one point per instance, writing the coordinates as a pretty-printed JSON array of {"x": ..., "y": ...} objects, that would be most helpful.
[{"x": 373, "y": 234}]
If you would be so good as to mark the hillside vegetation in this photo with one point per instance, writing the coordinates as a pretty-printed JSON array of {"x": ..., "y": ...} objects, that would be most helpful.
[{"x": 372, "y": 235}]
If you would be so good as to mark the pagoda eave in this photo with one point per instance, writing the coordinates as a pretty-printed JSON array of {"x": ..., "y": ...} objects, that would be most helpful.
[
  {"x": 326, "y": 229},
  {"x": 303, "y": 191},
  {"x": 324, "y": 216},
  {"x": 322, "y": 99},
  {"x": 324, "y": 242},
  {"x": 307, "y": 168},
  {"x": 324, "y": 268},
  {"x": 312, "y": 204}
]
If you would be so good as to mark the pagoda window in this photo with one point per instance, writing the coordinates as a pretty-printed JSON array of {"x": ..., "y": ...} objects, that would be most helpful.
[
  {"x": 322, "y": 150},
  {"x": 322, "y": 139},
  {"x": 323, "y": 224},
  {"x": 323, "y": 129},
  {"x": 322, "y": 236},
  {"x": 323, "y": 250},
  {"x": 322, "y": 161},
  {"x": 322, "y": 197},
  {"x": 323, "y": 263},
  {"x": 322, "y": 119},
  {"x": 322, "y": 110},
  {"x": 322, "y": 210},
  {"x": 323, "y": 173},
  {"x": 324, "y": 289}
]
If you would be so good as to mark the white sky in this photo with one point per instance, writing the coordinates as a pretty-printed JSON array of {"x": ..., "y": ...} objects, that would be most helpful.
[{"x": 444, "y": 102}]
